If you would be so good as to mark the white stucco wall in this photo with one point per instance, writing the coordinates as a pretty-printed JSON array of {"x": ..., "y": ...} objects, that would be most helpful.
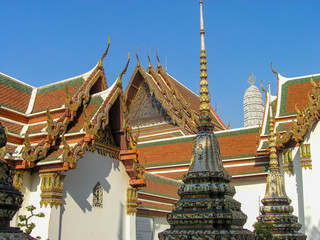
[
  {"x": 311, "y": 186},
  {"x": 293, "y": 185},
  {"x": 31, "y": 191},
  {"x": 249, "y": 192},
  {"x": 159, "y": 225},
  {"x": 301, "y": 186},
  {"x": 79, "y": 220}
]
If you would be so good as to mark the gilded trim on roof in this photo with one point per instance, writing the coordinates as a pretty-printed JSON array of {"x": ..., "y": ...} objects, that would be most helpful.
[{"x": 304, "y": 119}]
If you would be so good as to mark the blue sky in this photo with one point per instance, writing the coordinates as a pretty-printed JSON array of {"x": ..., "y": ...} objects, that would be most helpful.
[{"x": 47, "y": 41}]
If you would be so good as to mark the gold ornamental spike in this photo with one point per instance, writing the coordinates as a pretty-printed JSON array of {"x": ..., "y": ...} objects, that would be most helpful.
[
  {"x": 275, "y": 72},
  {"x": 100, "y": 65},
  {"x": 274, "y": 164},
  {"x": 150, "y": 65},
  {"x": 204, "y": 118},
  {"x": 159, "y": 64},
  {"x": 252, "y": 79},
  {"x": 119, "y": 79},
  {"x": 138, "y": 61},
  {"x": 263, "y": 89}
]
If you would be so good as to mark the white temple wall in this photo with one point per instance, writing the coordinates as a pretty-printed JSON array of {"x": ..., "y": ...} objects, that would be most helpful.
[
  {"x": 159, "y": 225},
  {"x": 249, "y": 192},
  {"x": 294, "y": 185},
  {"x": 301, "y": 186},
  {"x": 311, "y": 186},
  {"x": 31, "y": 191},
  {"x": 148, "y": 227},
  {"x": 79, "y": 219}
]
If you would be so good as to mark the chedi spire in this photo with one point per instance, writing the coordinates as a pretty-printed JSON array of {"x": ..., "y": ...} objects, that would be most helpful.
[
  {"x": 206, "y": 208},
  {"x": 276, "y": 209}
]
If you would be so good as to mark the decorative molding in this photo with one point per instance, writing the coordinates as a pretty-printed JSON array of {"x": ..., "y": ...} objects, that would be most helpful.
[
  {"x": 97, "y": 199},
  {"x": 51, "y": 189},
  {"x": 18, "y": 178},
  {"x": 305, "y": 156},
  {"x": 287, "y": 161},
  {"x": 132, "y": 201},
  {"x": 3, "y": 140},
  {"x": 59, "y": 126},
  {"x": 304, "y": 119}
]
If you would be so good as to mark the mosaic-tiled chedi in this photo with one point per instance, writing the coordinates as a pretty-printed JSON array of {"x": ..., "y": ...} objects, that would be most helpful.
[
  {"x": 10, "y": 199},
  {"x": 276, "y": 209},
  {"x": 206, "y": 208}
]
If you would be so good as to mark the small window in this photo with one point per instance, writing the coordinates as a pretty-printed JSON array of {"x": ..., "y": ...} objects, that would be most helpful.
[{"x": 97, "y": 196}]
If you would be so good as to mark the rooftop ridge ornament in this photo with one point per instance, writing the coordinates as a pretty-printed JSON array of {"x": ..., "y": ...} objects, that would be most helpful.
[
  {"x": 138, "y": 61},
  {"x": 252, "y": 79},
  {"x": 119, "y": 79},
  {"x": 206, "y": 208},
  {"x": 159, "y": 64},
  {"x": 276, "y": 209},
  {"x": 274, "y": 71},
  {"x": 100, "y": 65},
  {"x": 150, "y": 65}
]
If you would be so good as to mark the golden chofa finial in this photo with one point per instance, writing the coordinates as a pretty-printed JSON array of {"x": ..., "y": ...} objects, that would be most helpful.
[
  {"x": 263, "y": 89},
  {"x": 138, "y": 61},
  {"x": 252, "y": 79},
  {"x": 100, "y": 65},
  {"x": 275, "y": 72},
  {"x": 119, "y": 79},
  {"x": 159, "y": 64},
  {"x": 150, "y": 65}
]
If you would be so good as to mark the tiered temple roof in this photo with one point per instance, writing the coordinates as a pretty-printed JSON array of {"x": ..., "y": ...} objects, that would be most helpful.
[
  {"x": 161, "y": 106},
  {"x": 51, "y": 127}
]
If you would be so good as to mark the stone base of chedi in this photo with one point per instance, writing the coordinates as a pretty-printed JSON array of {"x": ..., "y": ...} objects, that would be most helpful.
[
  {"x": 206, "y": 208},
  {"x": 276, "y": 210},
  {"x": 10, "y": 202}
]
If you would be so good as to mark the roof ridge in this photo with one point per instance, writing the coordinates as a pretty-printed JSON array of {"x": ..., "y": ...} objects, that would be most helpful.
[
  {"x": 32, "y": 101},
  {"x": 286, "y": 79},
  {"x": 84, "y": 75},
  {"x": 164, "y": 179},
  {"x": 16, "y": 80},
  {"x": 176, "y": 81}
]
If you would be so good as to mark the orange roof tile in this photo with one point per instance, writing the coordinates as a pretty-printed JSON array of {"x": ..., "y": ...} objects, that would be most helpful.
[{"x": 52, "y": 99}]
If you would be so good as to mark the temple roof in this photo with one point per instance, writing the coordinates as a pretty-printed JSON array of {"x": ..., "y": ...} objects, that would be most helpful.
[
  {"x": 293, "y": 92},
  {"x": 176, "y": 104},
  {"x": 297, "y": 98},
  {"x": 58, "y": 122}
]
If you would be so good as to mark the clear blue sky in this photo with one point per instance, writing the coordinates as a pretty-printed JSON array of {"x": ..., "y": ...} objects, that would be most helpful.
[{"x": 47, "y": 41}]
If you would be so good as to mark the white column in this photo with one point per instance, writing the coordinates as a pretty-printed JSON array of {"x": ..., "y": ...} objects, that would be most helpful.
[{"x": 131, "y": 227}]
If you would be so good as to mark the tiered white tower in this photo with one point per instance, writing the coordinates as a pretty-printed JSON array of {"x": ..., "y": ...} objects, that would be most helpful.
[{"x": 253, "y": 105}]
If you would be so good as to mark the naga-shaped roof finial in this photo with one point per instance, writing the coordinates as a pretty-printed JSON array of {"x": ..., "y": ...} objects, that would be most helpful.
[
  {"x": 150, "y": 65},
  {"x": 100, "y": 65},
  {"x": 138, "y": 61},
  {"x": 275, "y": 72},
  {"x": 159, "y": 64},
  {"x": 119, "y": 79}
]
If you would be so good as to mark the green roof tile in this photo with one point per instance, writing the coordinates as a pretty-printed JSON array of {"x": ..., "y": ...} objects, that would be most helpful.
[
  {"x": 15, "y": 85},
  {"x": 59, "y": 86}
]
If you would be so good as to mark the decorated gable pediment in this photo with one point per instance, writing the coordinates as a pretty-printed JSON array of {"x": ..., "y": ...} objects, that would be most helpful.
[{"x": 146, "y": 109}]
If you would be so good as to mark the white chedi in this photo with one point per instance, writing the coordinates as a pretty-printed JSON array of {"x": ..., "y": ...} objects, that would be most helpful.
[{"x": 252, "y": 105}]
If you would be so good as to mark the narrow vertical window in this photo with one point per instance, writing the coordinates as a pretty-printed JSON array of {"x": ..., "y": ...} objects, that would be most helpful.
[{"x": 97, "y": 196}]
